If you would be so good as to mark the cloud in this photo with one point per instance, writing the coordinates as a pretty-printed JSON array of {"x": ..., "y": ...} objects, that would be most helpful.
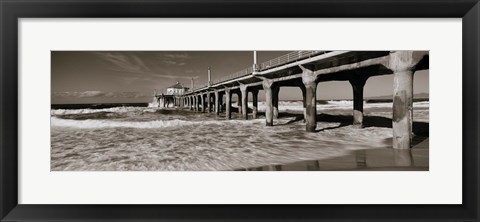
[
  {"x": 174, "y": 59},
  {"x": 137, "y": 68},
  {"x": 125, "y": 62},
  {"x": 177, "y": 55},
  {"x": 98, "y": 94},
  {"x": 176, "y": 63}
]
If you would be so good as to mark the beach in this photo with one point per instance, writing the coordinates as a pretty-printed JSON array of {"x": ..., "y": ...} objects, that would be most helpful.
[{"x": 177, "y": 139}]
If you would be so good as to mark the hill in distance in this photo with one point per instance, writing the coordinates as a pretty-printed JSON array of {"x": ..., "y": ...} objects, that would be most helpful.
[
  {"x": 419, "y": 97},
  {"x": 415, "y": 96}
]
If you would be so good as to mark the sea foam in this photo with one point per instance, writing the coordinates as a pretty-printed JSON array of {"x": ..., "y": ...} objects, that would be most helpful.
[
  {"x": 123, "y": 109},
  {"x": 94, "y": 124}
]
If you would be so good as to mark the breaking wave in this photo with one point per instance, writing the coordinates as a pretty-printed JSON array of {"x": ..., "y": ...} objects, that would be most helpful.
[
  {"x": 141, "y": 138},
  {"x": 85, "y": 111},
  {"x": 94, "y": 124},
  {"x": 283, "y": 106}
]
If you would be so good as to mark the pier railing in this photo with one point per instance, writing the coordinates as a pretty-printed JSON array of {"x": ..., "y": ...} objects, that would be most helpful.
[
  {"x": 288, "y": 58},
  {"x": 235, "y": 75},
  {"x": 272, "y": 63}
]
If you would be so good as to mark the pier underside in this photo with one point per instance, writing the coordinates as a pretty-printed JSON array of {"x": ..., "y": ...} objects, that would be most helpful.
[{"x": 352, "y": 66}]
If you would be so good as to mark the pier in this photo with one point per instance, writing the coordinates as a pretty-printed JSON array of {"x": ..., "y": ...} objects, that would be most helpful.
[{"x": 305, "y": 69}]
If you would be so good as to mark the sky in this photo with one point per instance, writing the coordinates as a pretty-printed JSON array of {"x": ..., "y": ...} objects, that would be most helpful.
[{"x": 132, "y": 76}]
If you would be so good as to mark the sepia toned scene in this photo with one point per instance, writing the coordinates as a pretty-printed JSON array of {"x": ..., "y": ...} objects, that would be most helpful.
[{"x": 239, "y": 110}]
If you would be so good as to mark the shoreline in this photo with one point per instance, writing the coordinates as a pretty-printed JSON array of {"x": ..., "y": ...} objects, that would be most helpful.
[
  {"x": 245, "y": 145},
  {"x": 375, "y": 159},
  {"x": 380, "y": 159}
]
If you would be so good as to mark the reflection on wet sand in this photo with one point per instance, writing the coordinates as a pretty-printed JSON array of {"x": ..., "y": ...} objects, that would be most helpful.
[{"x": 415, "y": 159}]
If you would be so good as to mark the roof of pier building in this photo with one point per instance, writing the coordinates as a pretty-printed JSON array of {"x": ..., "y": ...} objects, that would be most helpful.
[
  {"x": 176, "y": 89},
  {"x": 177, "y": 86}
]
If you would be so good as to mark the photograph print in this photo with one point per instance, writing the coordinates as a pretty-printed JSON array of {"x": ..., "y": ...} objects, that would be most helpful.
[{"x": 239, "y": 111}]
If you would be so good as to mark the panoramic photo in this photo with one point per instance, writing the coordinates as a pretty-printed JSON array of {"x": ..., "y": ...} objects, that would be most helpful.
[{"x": 239, "y": 111}]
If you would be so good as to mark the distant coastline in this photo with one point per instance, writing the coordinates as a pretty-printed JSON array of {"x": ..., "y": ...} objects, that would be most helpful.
[
  {"x": 391, "y": 100},
  {"x": 418, "y": 97}
]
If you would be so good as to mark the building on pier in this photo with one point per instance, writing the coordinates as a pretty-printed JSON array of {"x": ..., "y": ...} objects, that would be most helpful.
[
  {"x": 170, "y": 98},
  {"x": 177, "y": 90}
]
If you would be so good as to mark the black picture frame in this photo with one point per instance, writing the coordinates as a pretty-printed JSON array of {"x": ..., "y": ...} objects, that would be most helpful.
[{"x": 12, "y": 10}]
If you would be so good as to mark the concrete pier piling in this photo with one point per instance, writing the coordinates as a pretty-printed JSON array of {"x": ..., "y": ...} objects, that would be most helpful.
[
  {"x": 191, "y": 102},
  {"x": 255, "y": 103},
  {"x": 267, "y": 86},
  {"x": 217, "y": 98},
  {"x": 198, "y": 103},
  {"x": 195, "y": 104},
  {"x": 275, "y": 94},
  {"x": 244, "y": 102},
  {"x": 402, "y": 109},
  {"x": 358, "y": 83},
  {"x": 228, "y": 103},
  {"x": 309, "y": 80},
  {"x": 221, "y": 108},
  {"x": 305, "y": 71},
  {"x": 304, "y": 96},
  {"x": 209, "y": 104},
  {"x": 402, "y": 63},
  {"x": 239, "y": 102},
  {"x": 202, "y": 102}
]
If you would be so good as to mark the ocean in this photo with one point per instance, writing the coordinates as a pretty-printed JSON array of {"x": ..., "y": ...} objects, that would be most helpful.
[{"x": 143, "y": 137}]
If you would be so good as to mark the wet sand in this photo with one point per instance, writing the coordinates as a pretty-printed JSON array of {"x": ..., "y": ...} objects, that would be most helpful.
[
  {"x": 377, "y": 159},
  {"x": 415, "y": 159}
]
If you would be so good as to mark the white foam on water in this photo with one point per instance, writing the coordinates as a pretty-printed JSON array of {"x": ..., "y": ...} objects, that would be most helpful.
[
  {"x": 202, "y": 141},
  {"x": 150, "y": 109},
  {"x": 282, "y": 106},
  {"x": 334, "y": 104},
  {"x": 123, "y": 109},
  {"x": 153, "y": 104},
  {"x": 94, "y": 124},
  {"x": 424, "y": 104}
]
